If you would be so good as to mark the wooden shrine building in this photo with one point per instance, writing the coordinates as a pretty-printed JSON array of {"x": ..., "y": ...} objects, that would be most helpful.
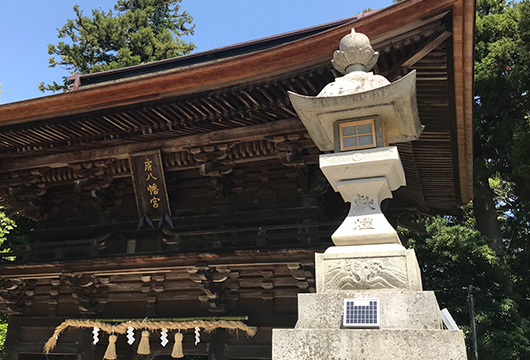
[{"x": 237, "y": 204}]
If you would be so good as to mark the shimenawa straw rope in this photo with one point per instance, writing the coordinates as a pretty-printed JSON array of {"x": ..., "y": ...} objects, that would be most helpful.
[{"x": 207, "y": 325}]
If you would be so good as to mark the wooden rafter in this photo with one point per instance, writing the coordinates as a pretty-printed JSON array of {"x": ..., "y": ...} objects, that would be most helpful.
[{"x": 429, "y": 46}]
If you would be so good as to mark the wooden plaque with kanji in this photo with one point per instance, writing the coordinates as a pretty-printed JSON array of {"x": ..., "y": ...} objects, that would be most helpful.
[{"x": 149, "y": 184}]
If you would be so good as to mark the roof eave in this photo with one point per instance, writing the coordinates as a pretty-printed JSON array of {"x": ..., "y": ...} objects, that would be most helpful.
[
  {"x": 279, "y": 60},
  {"x": 254, "y": 66}
]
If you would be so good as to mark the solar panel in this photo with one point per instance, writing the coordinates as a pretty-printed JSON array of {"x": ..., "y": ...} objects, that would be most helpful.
[{"x": 361, "y": 313}]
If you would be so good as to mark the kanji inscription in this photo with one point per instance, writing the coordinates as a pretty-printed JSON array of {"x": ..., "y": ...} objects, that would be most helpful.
[{"x": 149, "y": 184}]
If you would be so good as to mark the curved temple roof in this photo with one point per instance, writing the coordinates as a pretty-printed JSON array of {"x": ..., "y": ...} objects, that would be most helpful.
[{"x": 203, "y": 97}]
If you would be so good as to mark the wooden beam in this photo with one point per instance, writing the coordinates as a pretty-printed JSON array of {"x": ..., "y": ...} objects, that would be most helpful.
[
  {"x": 407, "y": 31},
  {"x": 35, "y": 348},
  {"x": 431, "y": 44},
  {"x": 156, "y": 264},
  {"x": 463, "y": 54},
  {"x": 246, "y": 133},
  {"x": 236, "y": 216},
  {"x": 248, "y": 352}
]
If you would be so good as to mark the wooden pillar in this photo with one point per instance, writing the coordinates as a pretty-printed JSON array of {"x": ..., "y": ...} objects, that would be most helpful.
[
  {"x": 216, "y": 347},
  {"x": 86, "y": 349},
  {"x": 13, "y": 333}
]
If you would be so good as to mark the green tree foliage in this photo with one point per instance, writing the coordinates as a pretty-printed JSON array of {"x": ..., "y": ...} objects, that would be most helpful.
[
  {"x": 6, "y": 226},
  {"x": 489, "y": 247},
  {"x": 502, "y": 123},
  {"x": 502, "y": 64},
  {"x": 3, "y": 332},
  {"x": 19, "y": 234},
  {"x": 13, "y": 231},
  {"x": 138, "y": 31},
  {"x": 454, "y": 255}
]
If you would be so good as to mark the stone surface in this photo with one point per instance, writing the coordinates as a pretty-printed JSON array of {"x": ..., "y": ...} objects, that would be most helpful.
[
  {"x": 361, "y": 164},
  {"x": 364, "y": 178},
  {"x": 355, "y": 54},
  {"x": 360, "y": 93},
  {"x": 395, "y": 103},
  {"x": 345, "y": 268},
  {"x": 400, "y": 309},
  {"x": 353, "y": 83},
  {"x": 370, "y": 263},
  {"x": 365, "y": 223},
  {"x": 373, "y": 344}
]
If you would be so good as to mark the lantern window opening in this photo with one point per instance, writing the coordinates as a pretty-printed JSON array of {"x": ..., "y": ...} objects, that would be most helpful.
[{"x": 357, "y": 134}]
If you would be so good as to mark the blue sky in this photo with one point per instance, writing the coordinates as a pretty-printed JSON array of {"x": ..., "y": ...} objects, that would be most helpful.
[{"x": 28, "y": 26}]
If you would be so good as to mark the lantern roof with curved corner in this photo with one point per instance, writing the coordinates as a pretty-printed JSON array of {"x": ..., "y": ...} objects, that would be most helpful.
[{"x": 394, "y": 103}]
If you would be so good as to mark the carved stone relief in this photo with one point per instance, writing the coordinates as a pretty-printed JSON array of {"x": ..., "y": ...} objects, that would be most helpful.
[
  {"x": 362, "y": 203},
  {"x": 363, "y": 224},
  {"x": 357, "y": 274}
]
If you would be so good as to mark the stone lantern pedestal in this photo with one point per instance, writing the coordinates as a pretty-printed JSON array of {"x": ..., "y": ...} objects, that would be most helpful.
[
  {"x": 368, "y": 261},
  {"x": 364, "y": 178}
]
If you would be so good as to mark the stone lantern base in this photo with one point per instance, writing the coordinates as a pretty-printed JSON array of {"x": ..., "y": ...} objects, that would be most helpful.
[
  {"x": 369, "y": 263},
  {"x": 319, "y": 344},
  {"x": 385, "y": 266},
  {"x": 410, "y": 329},
  {"x": 410, "y": 324}
]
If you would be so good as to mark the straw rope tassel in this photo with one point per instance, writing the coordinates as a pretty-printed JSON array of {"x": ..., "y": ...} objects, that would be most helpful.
[
  {"x": 177, "y": 352},
  {"x": 143, "y": 347},
  {"x": 110, "y": 354}
]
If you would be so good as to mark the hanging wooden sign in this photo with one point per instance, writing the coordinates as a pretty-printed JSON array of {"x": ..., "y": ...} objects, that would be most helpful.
[{"x": 149, "y": 184}]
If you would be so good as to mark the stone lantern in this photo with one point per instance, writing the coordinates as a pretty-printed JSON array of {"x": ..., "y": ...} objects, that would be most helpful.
[{"x": 356, "y": 117}]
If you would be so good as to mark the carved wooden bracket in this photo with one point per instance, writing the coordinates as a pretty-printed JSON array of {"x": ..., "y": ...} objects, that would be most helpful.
[
  {"x": 289, "y": 150},
  {"x": 92, "y": 176},
  {"x": 89, "y": 292},
  {"x": 24, "y": 191},
  {"x": 311, "y": 181},
  {"x": 53, "y": 301},
  {"x": 215, "y": 162},
  {"x": 304, "y": 273},
  {"x": 18, "y": 295},
  {"x": 215, "y": 284},
  {"x": 152, "y": 285}
]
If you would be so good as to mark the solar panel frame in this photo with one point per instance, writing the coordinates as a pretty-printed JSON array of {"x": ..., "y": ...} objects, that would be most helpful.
[{"x": 361, "y": 313}]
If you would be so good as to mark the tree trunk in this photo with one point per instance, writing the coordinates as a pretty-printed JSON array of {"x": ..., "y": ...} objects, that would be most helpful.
[{"x": 486, "y": 215}]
